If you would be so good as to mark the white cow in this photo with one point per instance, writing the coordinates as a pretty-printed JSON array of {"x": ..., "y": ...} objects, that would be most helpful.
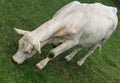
[{"x": 76, "y": 26}]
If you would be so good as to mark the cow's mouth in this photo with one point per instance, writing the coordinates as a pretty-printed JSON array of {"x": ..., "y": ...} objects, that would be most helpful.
[{"x": 17, "y": 60}]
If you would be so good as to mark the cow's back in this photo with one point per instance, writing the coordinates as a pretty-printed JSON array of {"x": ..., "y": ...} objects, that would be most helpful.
[
  {"x": 90, "y": 22},
  {"x": 102, "y": 22}
]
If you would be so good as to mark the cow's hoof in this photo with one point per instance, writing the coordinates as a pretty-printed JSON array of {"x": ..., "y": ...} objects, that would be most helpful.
[
  {"x": 79, "y": 63},
  {"x": 39, "y": 67},
  {"x": 36, "y": 69},
  {"x": 67, "y": 59}
]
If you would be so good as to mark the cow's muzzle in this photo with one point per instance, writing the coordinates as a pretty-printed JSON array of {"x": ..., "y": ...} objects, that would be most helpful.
[{"x": 17, "y": 60}]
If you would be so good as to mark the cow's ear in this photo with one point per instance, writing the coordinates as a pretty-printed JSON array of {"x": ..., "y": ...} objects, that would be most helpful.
[{"x": 20, "y": 31}]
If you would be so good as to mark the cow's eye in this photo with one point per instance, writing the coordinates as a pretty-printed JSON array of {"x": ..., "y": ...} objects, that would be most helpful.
[{"x": 26, "y": 52}]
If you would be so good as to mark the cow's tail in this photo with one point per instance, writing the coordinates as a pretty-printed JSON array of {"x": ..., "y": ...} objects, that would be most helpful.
[{"x": 100, "y": 49}]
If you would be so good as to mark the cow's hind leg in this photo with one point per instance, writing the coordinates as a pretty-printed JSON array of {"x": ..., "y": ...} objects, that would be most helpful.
[
  {"x": 90, "y": 51},
  {"x": 56, "y": 51},
  {"x": 72, "y": 54}
]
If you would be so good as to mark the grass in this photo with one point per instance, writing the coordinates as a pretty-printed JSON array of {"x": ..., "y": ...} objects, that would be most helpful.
[{"x": 29, "y": 14}]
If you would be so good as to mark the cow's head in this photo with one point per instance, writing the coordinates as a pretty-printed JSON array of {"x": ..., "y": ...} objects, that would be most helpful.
[{"x": 27, "y": 46}]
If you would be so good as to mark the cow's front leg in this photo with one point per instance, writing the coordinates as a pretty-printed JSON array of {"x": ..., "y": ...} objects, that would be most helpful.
[
  {"x": 72, "y": 54},
  {"x": 56, "y": 51}
]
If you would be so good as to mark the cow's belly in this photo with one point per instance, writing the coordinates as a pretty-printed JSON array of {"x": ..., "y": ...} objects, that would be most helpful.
[
  {"x": 86, "y": 43},
  {"x": 91, "y": 40}
]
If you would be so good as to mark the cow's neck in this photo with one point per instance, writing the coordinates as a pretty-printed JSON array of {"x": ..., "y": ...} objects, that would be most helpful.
[{"x": 46, "y": 30}]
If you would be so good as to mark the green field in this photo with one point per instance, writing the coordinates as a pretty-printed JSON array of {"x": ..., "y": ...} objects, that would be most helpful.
[{"x": 29, "y": 14}]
